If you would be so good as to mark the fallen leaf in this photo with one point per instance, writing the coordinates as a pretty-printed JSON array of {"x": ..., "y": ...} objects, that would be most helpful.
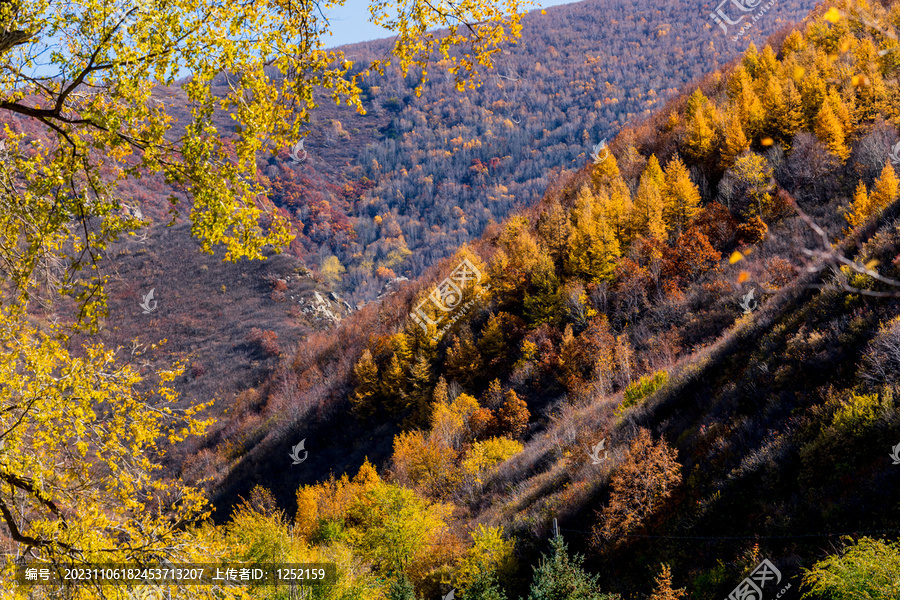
[{"x": 735, "y": 256}]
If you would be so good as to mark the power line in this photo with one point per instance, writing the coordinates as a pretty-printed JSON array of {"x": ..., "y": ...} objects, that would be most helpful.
[{"x": 745, "y": 537}]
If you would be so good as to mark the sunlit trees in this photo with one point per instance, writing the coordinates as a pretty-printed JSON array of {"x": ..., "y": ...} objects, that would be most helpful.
[
  {"x": 885, "y": 190},
  {"x": 865, "y": 569},
  {"x": 649, "y": 206},
  {"x": 748, "y": 184},
  {"x": 681, "y": 196},
  {"x": 491, "y": 553},
  {"x": 391, "y": 526},
  {"x": 829, "y": 129},
  {"x": 78, "y": 435},
  {"x": 512, "y": 415},
  {"x": 884, "y": 193},
  {"x": 664, "y": 589},
  {"x": 860, "y": 208}
]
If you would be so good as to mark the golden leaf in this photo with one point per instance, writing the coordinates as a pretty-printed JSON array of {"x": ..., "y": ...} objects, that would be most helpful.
[
  {"x": 833, "y": 15},
  {"x": 735, "y": 257},
  {"x": 743, "y": 276}
]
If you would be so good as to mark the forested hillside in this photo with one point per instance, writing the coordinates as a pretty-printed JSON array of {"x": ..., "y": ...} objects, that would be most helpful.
[
  {"x": 685, "y": 353},
  {"x": 446, "y": 164},
  {"x": 390, "y": 192}
]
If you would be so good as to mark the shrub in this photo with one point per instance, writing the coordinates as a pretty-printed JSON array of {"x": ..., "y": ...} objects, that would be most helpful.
[
  {"x": 643, "y": 387},
  {"x": 867, "y": 569},
  {"x": 267, "y": 340},
  {"x": 881, "y": 360}
]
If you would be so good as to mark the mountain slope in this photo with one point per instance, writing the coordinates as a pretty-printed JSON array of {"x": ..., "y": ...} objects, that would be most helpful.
[{"x": 671, "y": 300}]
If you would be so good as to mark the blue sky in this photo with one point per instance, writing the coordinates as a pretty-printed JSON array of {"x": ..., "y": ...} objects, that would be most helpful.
[{"x": 350, "y": 23}]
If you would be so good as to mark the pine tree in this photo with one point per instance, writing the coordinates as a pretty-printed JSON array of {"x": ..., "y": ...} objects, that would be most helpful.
[
  {"x": 793, "y": 43},
  {"x": 619, "y": 208},
  {"x": 842, "y": 111},
  {"x": 493, "y": 396},
  {"x": 483, "y": 587},
  {"x": 441, "y": 395},
  {"x": 542, "y": 302},
  {"x": 561, "y": 577},
  {"x": 773, "y": 107},
  {"x": 884, "y": 192},
  {"x": 768, "y": 63},
  {"x": 400, "y": 588},
  {"x": 464, "y": 362},
  {"x": 701, "y": 137},
  {"x": 860, "y": 208},
  {"x": 664, "y": 590},
  {"x": 700, "y": 121},
  {"x": 605, "y": 171},
  {"x": 681, "y": 196}
]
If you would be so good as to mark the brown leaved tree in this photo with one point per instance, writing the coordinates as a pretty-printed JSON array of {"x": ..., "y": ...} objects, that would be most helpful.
[{"x": 646, "y": 477}]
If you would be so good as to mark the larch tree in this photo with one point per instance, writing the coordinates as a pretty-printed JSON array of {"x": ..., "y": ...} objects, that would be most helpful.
[
  {"x": 700, "y": 139},
  {"x": 830, "y": 130},
  {"x": 648, "y": 206},
  {"x": 736, "y": 142},
  {"x": 884, "y": 191},
  {"x": 860, "y": 207},
  {"x": 681, "y": 196},
  {"x": 664, "y": 589}
]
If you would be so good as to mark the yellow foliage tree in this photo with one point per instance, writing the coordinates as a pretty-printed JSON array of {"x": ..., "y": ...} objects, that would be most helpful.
[
  {"x": 736, "y": 142},
  {"x": 884, "y": 192},
  {"x": 830, "y": 130},
  {"x": 681, "y": 196},
  {"x": 860, "y": 207},
  {"x": 79, "y": 435},
  {"x": 491, "y": 552}
]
